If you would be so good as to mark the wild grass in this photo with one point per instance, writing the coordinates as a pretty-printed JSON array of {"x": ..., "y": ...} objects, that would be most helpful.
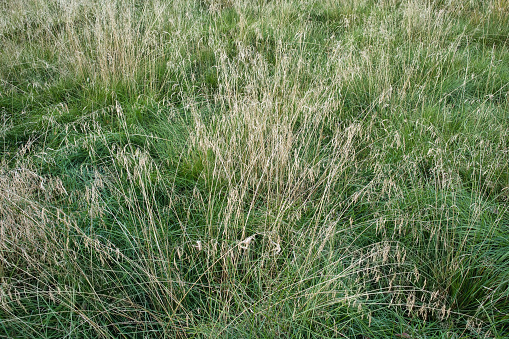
[{"x": 254, "y": 168}]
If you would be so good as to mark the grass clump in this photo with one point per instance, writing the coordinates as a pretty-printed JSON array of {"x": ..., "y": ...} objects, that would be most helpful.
[{"x": 262, "y": 169}]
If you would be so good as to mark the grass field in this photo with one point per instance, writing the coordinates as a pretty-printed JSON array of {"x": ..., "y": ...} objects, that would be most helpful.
[{"x": 254, "y": 168}]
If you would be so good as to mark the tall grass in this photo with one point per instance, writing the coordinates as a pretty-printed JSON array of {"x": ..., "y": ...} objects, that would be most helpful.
[{"x": 254, "y": 168}]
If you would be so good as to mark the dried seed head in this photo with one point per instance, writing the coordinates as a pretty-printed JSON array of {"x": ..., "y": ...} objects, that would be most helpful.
[
  {"x": 277, "y": 247},
  {"x": 244, "y": 244}
]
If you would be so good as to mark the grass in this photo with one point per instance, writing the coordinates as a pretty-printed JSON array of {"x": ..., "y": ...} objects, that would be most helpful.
[{"x": 224, "y": 168}]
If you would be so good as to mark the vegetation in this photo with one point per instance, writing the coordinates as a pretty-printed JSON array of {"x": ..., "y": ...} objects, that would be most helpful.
[{"x": 254, "y": 168}]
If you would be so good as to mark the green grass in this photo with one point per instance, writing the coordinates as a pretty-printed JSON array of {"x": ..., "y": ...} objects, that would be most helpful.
[{"x": 230, "y": 168}]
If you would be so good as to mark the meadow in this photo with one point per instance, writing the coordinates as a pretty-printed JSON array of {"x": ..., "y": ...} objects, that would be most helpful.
[{"x": 254, "y": 169}]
